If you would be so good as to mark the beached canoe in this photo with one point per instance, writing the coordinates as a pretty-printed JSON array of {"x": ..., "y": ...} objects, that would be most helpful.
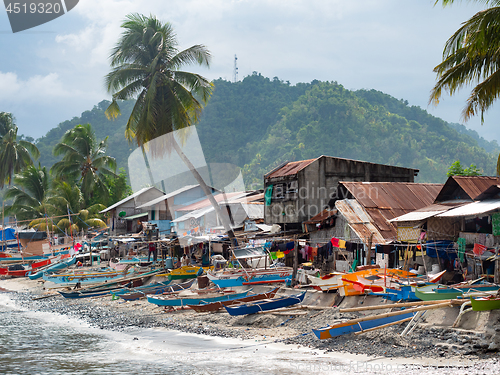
[
  {"x": 434, "y": 292},
  {"x": 62, "y": 264},
  {"x": 194, "y": 299},
  {"x": 240, "y": 277},
  {"x": 137, "y": 293},
  {"x": 215, "y": 306},
  {"x": 265, "y": 305},
  {"x": 185, "y": 272},
  {"x": 351, "y": 327},
  {"x": 485, "y": 303}
]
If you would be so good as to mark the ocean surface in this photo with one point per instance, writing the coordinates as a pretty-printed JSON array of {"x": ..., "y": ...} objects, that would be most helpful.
[
  {"x": 34, "y": 342},
  {"x": 37, "y": 342}
]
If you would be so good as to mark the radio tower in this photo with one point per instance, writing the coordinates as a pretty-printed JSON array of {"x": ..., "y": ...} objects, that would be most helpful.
[{"x": 235, "y": 71}]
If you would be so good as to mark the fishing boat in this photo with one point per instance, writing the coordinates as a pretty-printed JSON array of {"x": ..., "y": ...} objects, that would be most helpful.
[
  {"x": 19, "y": 270},
  {"x": 86, "y": 277},
  {"x": 265, "y": 305},
  {"x": 215, "y": 306},
  {"x": 194, "y": 298},
  {"x": 355, "y": 325},
  {"x": 485, "y": 303},
  {"x": 436, "y": 292},
  {"x": 185, "y": 272},
  {"x": 240, "y": 277},
  {"x": 155, "y": 289},
  {"x": 54, "y": 266}
]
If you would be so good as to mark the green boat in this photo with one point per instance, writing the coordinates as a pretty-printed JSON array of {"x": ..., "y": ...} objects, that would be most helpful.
[
  {"x": 436, "y": 292},
  {"x": 485, "y": 303}
]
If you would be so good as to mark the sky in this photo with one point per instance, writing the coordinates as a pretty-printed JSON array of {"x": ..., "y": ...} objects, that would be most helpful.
[{"x": 55, "y": 71}]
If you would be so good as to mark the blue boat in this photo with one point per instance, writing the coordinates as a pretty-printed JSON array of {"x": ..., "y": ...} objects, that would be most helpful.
[
  {"x": 193, "y": 300},
  {"x": 356, "y": 326},
  {"x": 265, "y": 305},
  {"x": 64, "y": 263},
  {"x": 406, "y": 293}
]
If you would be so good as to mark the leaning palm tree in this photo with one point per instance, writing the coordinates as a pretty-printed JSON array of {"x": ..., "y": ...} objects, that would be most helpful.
[
  {"x": 30, "y": 193},
  {"x": 472, "y": 56},
  {"x": 84, "y": 159},
  {"x": 14, "y": 154},
  {"x": 146, "y": 65}
]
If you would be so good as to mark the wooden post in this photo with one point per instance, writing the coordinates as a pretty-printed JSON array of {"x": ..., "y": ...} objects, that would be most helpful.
[
  {"x": 497, "y": 263},
  {"x": 295, "y": 263},
  {"x": 369, "y": 251}
]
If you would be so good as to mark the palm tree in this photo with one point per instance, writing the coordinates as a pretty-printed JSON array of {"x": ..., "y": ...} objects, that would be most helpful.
[
  {"x": 30, "y": 193},
  {"x": 472, "y": 56},
  {"x": 65, "y": 199},
  {"x": 84, "y": 160},
  {"x": 146, "y": 65},
  {"x": 14, "y": 154}
]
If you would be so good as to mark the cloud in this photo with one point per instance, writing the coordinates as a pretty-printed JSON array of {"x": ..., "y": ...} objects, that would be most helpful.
[{"x": 44, "y": 88}]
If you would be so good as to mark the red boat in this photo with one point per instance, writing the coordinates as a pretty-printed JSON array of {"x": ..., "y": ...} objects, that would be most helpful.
[{"x": 26, "y": 270}]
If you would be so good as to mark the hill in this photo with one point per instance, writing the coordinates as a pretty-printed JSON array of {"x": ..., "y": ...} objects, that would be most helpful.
[{"x": 258, "y": 123}]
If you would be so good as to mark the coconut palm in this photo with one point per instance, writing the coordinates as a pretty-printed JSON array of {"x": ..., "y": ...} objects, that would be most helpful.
[
  {"x": 30, "y": 193},
  {"x": 14, "y": 154},
  {"x": 146, "y": 65},
  {"x": 84, "y": 159},
  {"x": 67, "y": 199},
  {"x": 472, "y": 56}
]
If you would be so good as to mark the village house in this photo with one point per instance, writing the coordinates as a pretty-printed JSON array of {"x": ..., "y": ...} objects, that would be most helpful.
[
  {"x": 125, "y": 214},
  {"x": 297, "y": 191},
  {"x": 363, "y": 218}
]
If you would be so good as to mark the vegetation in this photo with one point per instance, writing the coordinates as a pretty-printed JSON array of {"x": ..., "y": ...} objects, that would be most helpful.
[
  {"x": 85, "y": 160},
  {"x": 471, "y": 56},
  {"x": 456, "y": 169},
  {"x": 146, "y": 62},
  {"x": 258, "y": 123},
  {"x": 14, "y": 154}
]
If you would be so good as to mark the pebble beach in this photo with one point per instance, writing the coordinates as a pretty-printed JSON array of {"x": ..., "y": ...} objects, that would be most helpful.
[{"x": 431, "y": 346}]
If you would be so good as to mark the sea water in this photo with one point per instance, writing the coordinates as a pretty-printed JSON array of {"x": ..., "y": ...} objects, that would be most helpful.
[{"x": 34, "y": 342}]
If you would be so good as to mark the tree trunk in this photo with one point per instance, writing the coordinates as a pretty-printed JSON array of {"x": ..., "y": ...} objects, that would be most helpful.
[{"x": 206, "y": 190}]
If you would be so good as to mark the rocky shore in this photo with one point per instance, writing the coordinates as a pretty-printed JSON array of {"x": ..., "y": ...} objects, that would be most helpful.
[{"x": 429, "y": 342}]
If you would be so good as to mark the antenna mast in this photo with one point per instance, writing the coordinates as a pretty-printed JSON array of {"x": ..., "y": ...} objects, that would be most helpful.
[{"x": 235, "y": 71}]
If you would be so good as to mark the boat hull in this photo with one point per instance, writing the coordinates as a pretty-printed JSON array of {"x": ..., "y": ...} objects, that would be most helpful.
[
  {"x": 273, "y": 304},
  {"x": 255, "y": 277},
  {"x": 188, "y": 301},
  {"x": 485, "y": 304},
  {"x": 348, "y": 327},
  {"x": 215, "y": 306}
]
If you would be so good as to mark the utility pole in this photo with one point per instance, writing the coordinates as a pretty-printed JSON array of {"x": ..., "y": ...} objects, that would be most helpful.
[{"x": 235, "y": 70}]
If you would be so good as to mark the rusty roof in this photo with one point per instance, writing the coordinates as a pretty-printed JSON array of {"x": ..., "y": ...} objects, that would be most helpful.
[
  {"x": 218, "y": 198},
  {"x": 405, "y": 196},
  {"x": 322, "y": 216},
  {"x": 472, "y": 186},
  {"x": 383, "y": 201},
  {"x": 290, "y": 168},
  {"x": 360, "y": 222}
]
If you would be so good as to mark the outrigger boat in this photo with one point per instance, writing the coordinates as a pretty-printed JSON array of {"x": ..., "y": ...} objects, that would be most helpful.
[
  {"x": 436, "y": 292},
  {"x": 23, "y": 270},
  {"x": 491, "y": 302},
  {"x": 155, "y": 289},
  {"x": 354, "y": 325},
  {"x": 62, "y": 264},
  {"x": 265, "y": 305},
  {"x": 215, "y": 306},
  {"x": 233, "y": 277},
  {"x": 194, "y": 299}
]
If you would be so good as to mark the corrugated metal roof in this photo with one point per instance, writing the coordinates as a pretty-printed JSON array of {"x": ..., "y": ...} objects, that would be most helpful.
[
  {"x": 166, "y": 196},
  {"x": 474, "y": 186},
  {"x": 290, "y": 168},
  {"x": 406, "y": 196},
  {"x": 359, "y": 220},
  {"x": 426, "y": 212},
  {"x": 473, "y": 209},
  {"x": 132, "y": 196},
  {"x": 323, "y": 215},
  {"x": 206, "y": 202},
  {"x": 383, "y": 201}
]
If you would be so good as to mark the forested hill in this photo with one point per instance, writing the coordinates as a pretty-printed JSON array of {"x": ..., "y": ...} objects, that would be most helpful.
[{"x": 258, "y": 123}]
